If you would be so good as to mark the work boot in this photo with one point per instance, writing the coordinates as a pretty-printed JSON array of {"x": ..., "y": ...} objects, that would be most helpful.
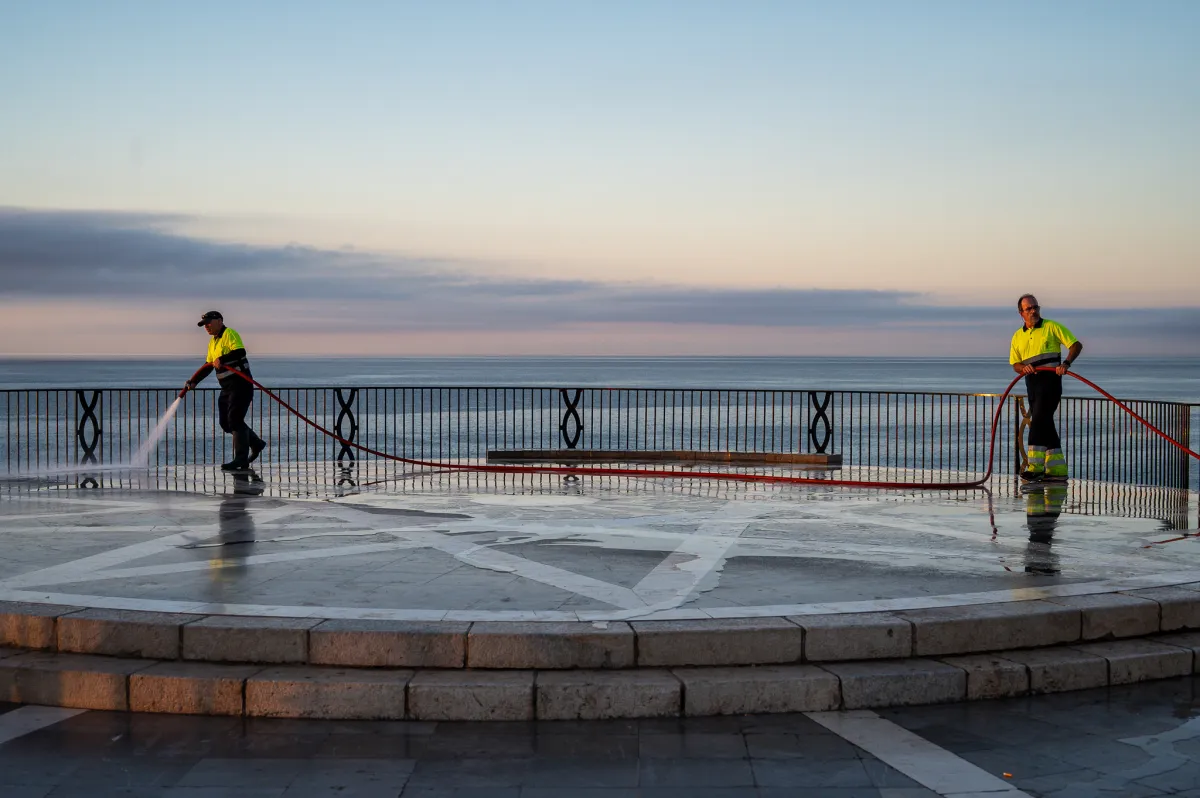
[
  {"x": 257, "y": 444},
  {"x": 1032, "y": 476},
  {"x": 241, "y": 450}
]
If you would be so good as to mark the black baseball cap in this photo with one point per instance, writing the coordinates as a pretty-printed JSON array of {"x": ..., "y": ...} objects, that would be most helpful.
[{"x": 210, "y": 316}]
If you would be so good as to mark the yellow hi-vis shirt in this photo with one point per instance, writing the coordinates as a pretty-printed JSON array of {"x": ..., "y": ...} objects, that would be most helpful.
[
  {"x": 221, "y": 345},
  {"x": 1040, "y": 346}
]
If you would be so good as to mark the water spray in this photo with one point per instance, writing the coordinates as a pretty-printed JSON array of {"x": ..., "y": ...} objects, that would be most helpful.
[{"x": 141, "y": 458}]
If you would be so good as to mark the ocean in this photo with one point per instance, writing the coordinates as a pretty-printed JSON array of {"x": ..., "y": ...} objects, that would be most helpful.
[{"x": 1171, "y": 379}]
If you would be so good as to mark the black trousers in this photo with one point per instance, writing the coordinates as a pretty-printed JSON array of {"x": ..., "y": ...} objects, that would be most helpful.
[
  {"x": 232, "y": 407},
  {"x": 233, "y": 404},
  {"x": 1045, "y": 392}
]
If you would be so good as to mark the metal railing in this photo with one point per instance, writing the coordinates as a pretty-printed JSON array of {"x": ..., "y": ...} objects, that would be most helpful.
[{"x": 895, "y": 435}]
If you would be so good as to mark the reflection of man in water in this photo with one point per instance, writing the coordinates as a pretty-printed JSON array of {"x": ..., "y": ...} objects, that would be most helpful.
[
  {"x": 1043, "y": 505},
  {"x": 248, "y": 483},
  {"x": 234, "y": 523},
  {"x": 235, "y": 529}
]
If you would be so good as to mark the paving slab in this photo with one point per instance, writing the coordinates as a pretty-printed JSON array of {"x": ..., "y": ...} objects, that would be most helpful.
[
  {"x": 1189, "y": 641},
  {"x": 990, "y": 676},
  {"x": 1112, "y": 615},
  {"x": 732, "y": 641},
  {"x": 992, "y": 627},
  {"x": 767, "y": 688},
  {"x": 600, "y": 694},
  {"x": 337, "y": 693},
  {"x": 867, "y": 635},
  {"x": 1179, "y": 607},
  {"x": 899, "y": 682},
  {"x": 122, "y": 633},
  {"x": 471, "y": 695},
  {"x": 1140, "y": 660},
  {"x": 190, "y": 688},
  {"x": 29, "y": 625},
  {"x": 1063, "y": 668},
  {"x": 388, "y": 644},
  {"x": 69, "y": 680},
  {"x": 232, "y": 638},
  {"x": 550, "y": 644}
]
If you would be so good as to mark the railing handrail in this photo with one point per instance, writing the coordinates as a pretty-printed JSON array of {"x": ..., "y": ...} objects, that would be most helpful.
[{"x": 572, "y": 386}]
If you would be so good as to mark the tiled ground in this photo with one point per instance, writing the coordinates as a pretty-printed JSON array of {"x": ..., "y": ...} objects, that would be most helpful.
[
  {"x": 1142, "y": 740},
  {"x": 593, "y": 550}
]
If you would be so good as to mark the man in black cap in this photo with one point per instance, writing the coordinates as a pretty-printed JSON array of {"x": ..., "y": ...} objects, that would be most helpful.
[{"x": 226, "y": 351}]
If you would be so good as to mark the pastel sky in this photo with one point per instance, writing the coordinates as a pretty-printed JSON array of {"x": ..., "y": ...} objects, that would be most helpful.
[{"x": 600, "y": 177}]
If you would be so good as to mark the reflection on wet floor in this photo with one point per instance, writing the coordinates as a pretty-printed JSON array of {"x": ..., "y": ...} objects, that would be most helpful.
[
  {"x": 1176, "y": 508},
  {"x": 1043, "y": 506},
  {"x": 613, "y": 547}
]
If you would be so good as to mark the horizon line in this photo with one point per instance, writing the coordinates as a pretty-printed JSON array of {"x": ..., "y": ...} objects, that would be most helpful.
[{"x": 145, "y": 357}]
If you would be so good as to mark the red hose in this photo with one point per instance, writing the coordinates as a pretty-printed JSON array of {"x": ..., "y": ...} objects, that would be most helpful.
[
  {"x": 1143, "y": 421},
  {"x": 593, "y": 471}
]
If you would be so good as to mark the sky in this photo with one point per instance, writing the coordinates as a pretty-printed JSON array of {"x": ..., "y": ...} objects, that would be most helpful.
[{"x": 584, "y": 177}]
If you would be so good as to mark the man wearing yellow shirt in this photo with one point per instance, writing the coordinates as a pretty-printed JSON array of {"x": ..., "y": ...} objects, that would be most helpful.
[
  {"x": 1036, "y": 344},
  {"x": 226, "y": 351}
]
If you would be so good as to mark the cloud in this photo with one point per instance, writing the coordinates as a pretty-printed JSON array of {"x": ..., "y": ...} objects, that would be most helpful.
[
  {"x": 63, "y": 254},
  {"x": 47, "y": 255}
]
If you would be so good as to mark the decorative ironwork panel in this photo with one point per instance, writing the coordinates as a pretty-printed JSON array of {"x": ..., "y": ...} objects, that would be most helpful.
[
  {"x": 1021, "y": 458},
  {"x": 571, "y": 426},
  {"x": 345, "y": 416},
  {"x": 820, "y": 419},
  {"x": 87, "y": 427},
  {"x": 87, "y": 432}
]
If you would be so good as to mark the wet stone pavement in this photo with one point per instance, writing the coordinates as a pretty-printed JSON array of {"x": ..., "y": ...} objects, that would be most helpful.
[
  {"x": 593, "y": 551},
  {"x": 1141, "y": 740}
]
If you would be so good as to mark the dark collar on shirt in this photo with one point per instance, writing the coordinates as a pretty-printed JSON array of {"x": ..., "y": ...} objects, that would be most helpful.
[{"x": 1034, "y": 327}]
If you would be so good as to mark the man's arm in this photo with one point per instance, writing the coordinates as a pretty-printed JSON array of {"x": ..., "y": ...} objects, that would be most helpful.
[
  {"x": 1014, "y": 356},
  {"x": 1072, "y": 354},
  {"x": 196, "y": 379},
  {"x": 233, "y": 357}
]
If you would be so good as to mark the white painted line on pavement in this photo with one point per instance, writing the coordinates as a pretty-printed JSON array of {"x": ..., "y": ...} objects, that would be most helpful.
[
  {"x": 24, "y": 720},
  {"x": 914, "y": 756},
  {"x": 688, "y": 568}
]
